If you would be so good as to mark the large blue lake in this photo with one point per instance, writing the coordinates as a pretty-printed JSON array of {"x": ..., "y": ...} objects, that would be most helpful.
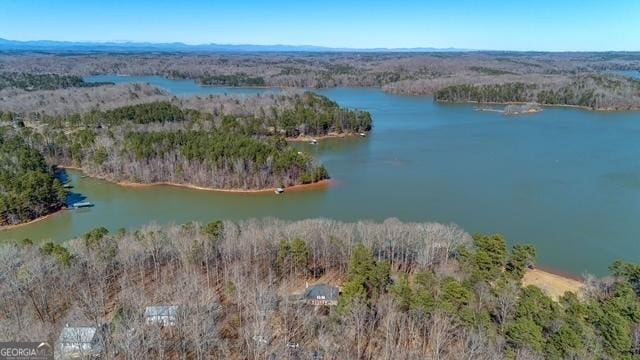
[{"x": 565, "y": 180}]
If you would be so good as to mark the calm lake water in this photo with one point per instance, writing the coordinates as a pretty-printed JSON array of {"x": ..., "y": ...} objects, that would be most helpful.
[{"x": 565, "y": 180}]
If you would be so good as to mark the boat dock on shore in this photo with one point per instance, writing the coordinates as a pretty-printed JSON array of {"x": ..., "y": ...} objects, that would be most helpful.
[{"x": 82, "y": 204}]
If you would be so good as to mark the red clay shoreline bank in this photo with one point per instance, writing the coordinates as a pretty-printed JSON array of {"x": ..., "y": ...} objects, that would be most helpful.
[
  {"x": 307, "y": 138},
  {"x": 580, "y": 107},
  {"x": 11, "y": 227},
  {"x": 322, "y": 184}
]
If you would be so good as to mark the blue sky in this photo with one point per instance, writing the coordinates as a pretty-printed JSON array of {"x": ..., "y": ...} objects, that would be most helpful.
[{"x": 557, "y": 25}]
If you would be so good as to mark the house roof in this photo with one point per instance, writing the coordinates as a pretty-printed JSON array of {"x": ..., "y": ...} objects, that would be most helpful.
[
  {"x": 322, "y": 291},
  {"x": 161, "y": 310},
  {"x": 80, "y": 334}
]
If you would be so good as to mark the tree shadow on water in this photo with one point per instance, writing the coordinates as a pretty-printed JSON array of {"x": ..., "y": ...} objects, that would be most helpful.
[{"x": 72, "y": 197}]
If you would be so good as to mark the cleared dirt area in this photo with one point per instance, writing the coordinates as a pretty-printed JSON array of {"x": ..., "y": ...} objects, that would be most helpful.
[{"x": 552, "y": 284}]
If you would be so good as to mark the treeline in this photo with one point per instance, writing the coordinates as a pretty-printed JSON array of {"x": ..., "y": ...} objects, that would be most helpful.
[
  {"x": 292, "y": 113},
  {"x": 493, "y": 93},
  {"x": 409, "y": 291},
  {"x": 28, "y": 187},
  {"x": 317, "y": 115},
  {"x": 313, "y": 70},
  {"x": 36, "y": 103},
  {"x": 415, "y": 73},
  {"x": 239, "y": 79},
  {"x": 219, "y": 159},
  {"x": 305, "y": 114},
  {"x": 596, "y": 92},
  {"x": 27, "y": 81},
  {"x": 141, "y": 114}
]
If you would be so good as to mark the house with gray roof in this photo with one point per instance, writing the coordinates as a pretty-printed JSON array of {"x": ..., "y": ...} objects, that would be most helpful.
[
  {"x": 79, "y": 342},
  {"x": 164, "y": 315},
  {"x": 321, "y": 294}
]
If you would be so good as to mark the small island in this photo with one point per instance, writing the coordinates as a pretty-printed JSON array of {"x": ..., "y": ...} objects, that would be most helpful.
[
  {"x": 514, "y": 109},
  {"x": 522, "y": 109}
]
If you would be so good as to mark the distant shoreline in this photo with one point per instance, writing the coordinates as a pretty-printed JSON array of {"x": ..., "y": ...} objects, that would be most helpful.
[
  {"x": 543, "y": 105},
  {"x": 387, "y": 91}
]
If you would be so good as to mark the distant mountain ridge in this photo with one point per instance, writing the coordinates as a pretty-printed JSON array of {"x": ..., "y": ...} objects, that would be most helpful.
[{"x": 127, "y": 46}]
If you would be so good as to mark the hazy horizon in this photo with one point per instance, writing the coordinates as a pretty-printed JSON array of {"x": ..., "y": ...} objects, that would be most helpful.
[
  {"x": 491, "y": 25},
  {"x": 302, "y": 47},
  {"x": 125, "y": 42}
]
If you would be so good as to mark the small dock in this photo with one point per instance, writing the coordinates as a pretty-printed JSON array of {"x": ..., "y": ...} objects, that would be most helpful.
[{"x": 82, "y": 204}]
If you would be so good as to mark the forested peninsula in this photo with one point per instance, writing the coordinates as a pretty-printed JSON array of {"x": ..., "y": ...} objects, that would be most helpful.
[
  {"x": 388, "y": 290},
  {"x": 593, "y": 92},
  {"x": 215, "y": 142}
]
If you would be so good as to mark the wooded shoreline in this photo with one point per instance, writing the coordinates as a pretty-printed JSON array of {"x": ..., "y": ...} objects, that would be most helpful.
[
  {"x": 579, "y": 107},
  {"x": 434, "y": 276}
]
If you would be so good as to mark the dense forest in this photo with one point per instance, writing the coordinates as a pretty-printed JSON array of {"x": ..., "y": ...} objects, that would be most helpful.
[
  {"x": 408, "y": 291},
  {"x": 240, "y": 79},
  {"x": 223, "y": 159},
  {"x": 583, "y": 79},
  {"x": 574, "y": 78},
  {"x": 498, "y": 93},
  {"x": 30, "y": 82},
  {"x": 173, "y": 142},
  {"x": 595, "y": 92},
  {"x": 28, "y": 187},
  {"x": 32, "y": 104},
  {"x": 289, "y": 113}
]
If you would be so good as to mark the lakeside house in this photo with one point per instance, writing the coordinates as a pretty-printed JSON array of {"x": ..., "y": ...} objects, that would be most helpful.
[
  {"x": 79, "y": 342},
  {"x": 321, "y": 295},
  {"x": 163, "y": 315}
]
